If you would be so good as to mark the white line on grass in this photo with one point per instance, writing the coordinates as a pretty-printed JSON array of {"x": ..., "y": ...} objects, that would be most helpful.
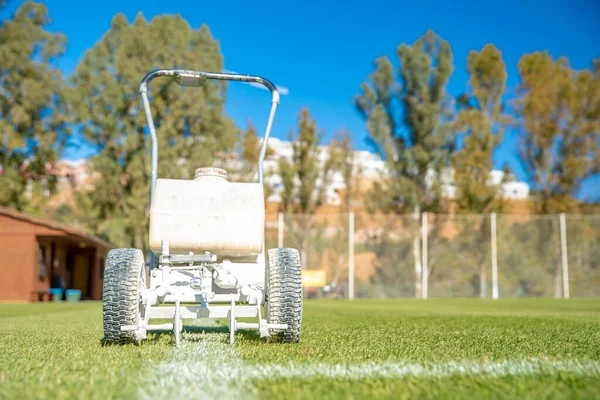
[
  {"x": 425, "y": 370},
  {"x": 206, "y": 366}
]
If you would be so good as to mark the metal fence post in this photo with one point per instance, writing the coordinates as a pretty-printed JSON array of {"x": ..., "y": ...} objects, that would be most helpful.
[
  {"x": 494, "y": 256},
  {"x": 425, "y": 265},
  {"x": 280, "y": 230},
  {"x": 351, "y": 255},
  {"x": 417, "y": 256},
  {"x": 565, "y": 260}
]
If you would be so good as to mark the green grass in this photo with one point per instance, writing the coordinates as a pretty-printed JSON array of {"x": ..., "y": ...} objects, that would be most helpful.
[{"x": 55, "y": 351}]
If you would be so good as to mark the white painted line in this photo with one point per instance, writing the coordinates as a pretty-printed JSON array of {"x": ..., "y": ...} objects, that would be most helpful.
[
  {"x": 200, "y": 368},
  {"x": 399, "y": 370},
  {"x": 207, "y": 367}
]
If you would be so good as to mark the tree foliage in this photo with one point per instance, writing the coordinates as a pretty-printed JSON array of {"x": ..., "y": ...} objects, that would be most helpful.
[
  {"x": 481, "y": 118},
  {"x": 304, "y": 178},
  {"x": 407, "y": 119},
  {"x": 191, "y": 124},
  {"x": 242, "y": 165},
  {"x": 337, "y": 245},
  {"x": 250, "y": 150},
  {"x": 345, "y": 161},
  {"x": 559, "y": 120},
  {"x": 34, "y": 113},
  {"x": 482, "y": 121}
]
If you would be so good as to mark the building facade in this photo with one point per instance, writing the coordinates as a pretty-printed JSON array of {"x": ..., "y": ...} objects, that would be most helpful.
[
  {"x": 371, "y": 167},
  {"x": 75, "y": 175},
  {"x": 38, "y": 254}
]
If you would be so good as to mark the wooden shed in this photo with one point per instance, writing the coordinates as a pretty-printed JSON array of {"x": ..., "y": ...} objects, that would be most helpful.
[{"x": 38, "y": 254}]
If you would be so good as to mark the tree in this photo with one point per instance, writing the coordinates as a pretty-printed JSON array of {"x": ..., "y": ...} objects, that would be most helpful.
[
  {"x": 305, "y": 179},
  {"x": 34, "y": 112},
  {"x": 250, "y": 149},
  {"x": 406, "y": 122},
  {"x": 192, "y": 127},
  {"x": 481, "y": 119},
  {"x": 559, "y": 123},
  {"x": 407, "y": 119},
  {"x": 558, "y": 110},
  {"x": 345, "y": 165},
  {"x": 243, "y": 165}
]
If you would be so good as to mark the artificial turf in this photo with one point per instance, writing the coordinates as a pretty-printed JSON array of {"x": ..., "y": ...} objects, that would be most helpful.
[{"x": 55, "y": 350}]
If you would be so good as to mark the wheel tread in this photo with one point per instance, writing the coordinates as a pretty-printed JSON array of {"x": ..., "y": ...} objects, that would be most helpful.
[
  {"x": 285, "y": 293},
  {"x": 120, "y": 306}
]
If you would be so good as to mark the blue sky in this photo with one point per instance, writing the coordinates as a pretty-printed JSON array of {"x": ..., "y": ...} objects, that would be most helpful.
[{"x": 322, "y": 51}]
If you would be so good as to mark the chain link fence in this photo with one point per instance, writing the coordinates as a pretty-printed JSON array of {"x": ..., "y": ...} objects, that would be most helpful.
[{"x": 434, "y": 255}]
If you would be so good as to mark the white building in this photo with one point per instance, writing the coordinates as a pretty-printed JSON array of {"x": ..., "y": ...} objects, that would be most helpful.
[
  {"x": 367, "y": 164},
  {"x": 370, "y": 166}
]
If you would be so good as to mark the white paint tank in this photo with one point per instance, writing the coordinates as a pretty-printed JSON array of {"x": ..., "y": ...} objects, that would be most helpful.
[{"x": 207, "y": 214}]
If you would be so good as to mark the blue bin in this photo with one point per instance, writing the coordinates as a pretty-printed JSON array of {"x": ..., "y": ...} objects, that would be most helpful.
[
  {"x": 57, "y": 292},
  {"x": 73, "y": 295}
]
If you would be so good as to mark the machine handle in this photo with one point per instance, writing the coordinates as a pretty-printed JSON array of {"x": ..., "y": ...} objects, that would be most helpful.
[{"x": 196, "y": 78}]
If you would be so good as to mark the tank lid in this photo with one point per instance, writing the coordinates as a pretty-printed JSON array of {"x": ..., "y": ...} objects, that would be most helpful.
[{"x": 210, "y": 172}]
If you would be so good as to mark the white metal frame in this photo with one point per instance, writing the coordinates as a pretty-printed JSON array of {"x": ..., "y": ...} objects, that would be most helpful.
[{"x": 203, "y": 285}]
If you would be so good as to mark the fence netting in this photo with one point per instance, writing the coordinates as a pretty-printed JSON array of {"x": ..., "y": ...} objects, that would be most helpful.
[
  {"x": 384, "y": 255},
  {"x": 583, "y": 245},
  {"x": 389, "y": 253},
  {"x": 529, "y": 256},
  {"x": 322, "y": 241},
  {"x": 458, "y": 255}
]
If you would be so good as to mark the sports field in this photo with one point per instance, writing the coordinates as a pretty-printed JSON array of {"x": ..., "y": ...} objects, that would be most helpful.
[{"x": 362, "y": 349}]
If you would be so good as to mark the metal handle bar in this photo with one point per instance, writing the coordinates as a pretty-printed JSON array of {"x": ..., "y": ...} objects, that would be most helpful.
[{"x": 197, "y": 78}]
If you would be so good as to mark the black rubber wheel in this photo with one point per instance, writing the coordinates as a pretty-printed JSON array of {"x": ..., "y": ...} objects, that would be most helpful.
[
  {"x": 284, "y": 294},
  {"x": 124, "y": 278}
]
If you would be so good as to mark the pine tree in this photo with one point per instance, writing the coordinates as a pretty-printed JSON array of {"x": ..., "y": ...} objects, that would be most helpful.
[
  {"x": 345, "y": 164},
  {"x": 304, "y": 182},
  {"x": 304, "y": 179},
  {"x": 558, "y": 110},
  {"x": 481, "y": 119},
  {"x": 192, "y": 127},
  {"x": 34, "y": 112},
  {"x": 242, "y": 165},
  {"x": 407, "y": 118}
]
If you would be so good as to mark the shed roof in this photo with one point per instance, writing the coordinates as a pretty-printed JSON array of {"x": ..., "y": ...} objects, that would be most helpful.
[{"x": 67, "y": 229}]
